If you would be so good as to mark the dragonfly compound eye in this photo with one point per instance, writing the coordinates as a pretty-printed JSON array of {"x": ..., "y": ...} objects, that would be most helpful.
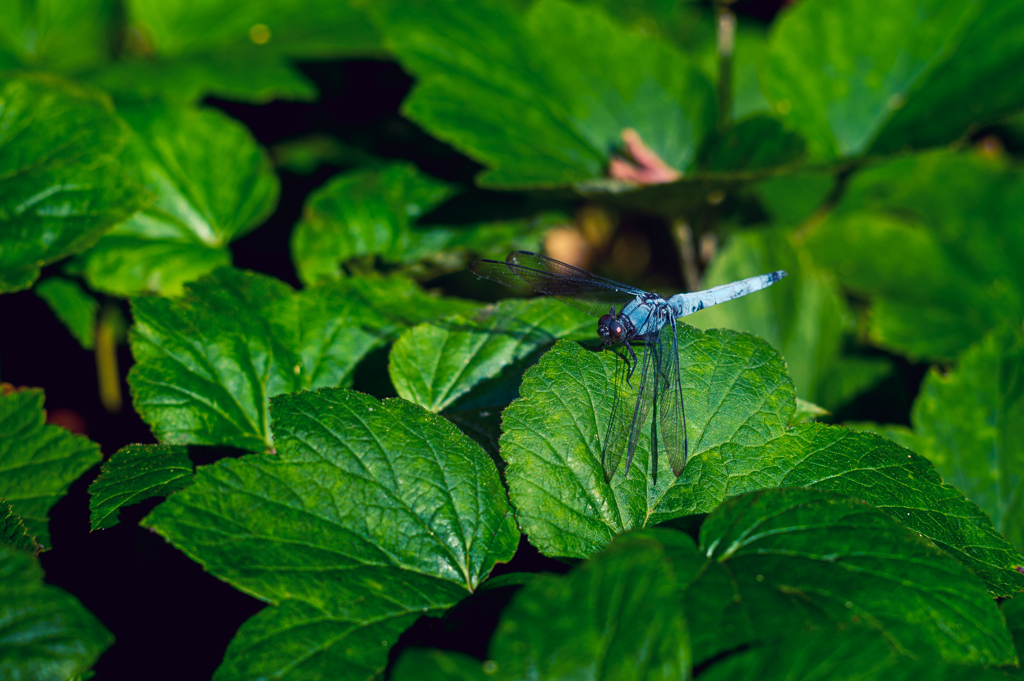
[{"x": 611, "y": 330}]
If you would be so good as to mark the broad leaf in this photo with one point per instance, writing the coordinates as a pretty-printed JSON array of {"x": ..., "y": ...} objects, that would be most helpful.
[
  {"x": 420, "y": 664},
  {"x": 132, "y": 475},
  {"x": 934, "y": 241},
  {"x": 314, "y": 29},
  {"x": 806, "y": 319},
  {"x": 775, "y": 562},
  {"x": 62, "y": 181},
  {"x": 542, "y": 100},
  {"x": 45, "y": 632},
  {"x": 73, "y": 306},
  {"x": 436, "y": 363},
  {"x": 213, "y": 184},
  {"x": 62, "y": 35},
  {"x": 854, "y": 79},
  {"x": 374, "y": 213},
  {"x": 615, "y": 616},
  {"x": 738, "y": 403},
  {"x": 369, "y": 515},
  {"x": 38, "y": 462}
]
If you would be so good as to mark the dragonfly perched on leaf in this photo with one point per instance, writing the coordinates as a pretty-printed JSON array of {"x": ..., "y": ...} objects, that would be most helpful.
[{"x": 628, "y": 315}]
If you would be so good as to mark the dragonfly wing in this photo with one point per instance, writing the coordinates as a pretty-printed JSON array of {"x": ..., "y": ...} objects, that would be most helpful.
[
  {"x": 584, "y": 291},
  {"x": 644, "y": 397},
  {"x": 671, "y": 411},
  {"x": 616, "y": 438}
]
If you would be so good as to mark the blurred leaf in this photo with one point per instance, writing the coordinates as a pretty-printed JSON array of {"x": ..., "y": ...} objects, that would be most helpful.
[
  {"x": 421, "y": 664},
  {"x": 45, "y": 632},
  {"x": 806, "y": 411},
  {"x": 435, "y": 363},
  {"x": 756, "y": 143},
  {"x": 38, "y": 462},
  {"x": 315, "y": 29},
  {"x": 854, "y": 79},
  {"x": 13, "y": 533},
  {"x": 935, "y": 241},
  {"x": 61, "y": 177},
  {"x": 750, "y": 51},
  {"x": 857, "y": 655},
  {"x": 805, "y": 318},
  {"x": 970, "y": 423},
  {"x": 613, "y": 617},
  {"x": 62, "y": 35},
  {"x": 252, "y": 76},
  {"x": 73, "y": 306},
  {"x": 207, "y": 363},
  {"x": 738, "y": 402},
  {"x": 302, "y": 155},
  {"x": 213, "y": 183},
  {"x": 370, "y": 514},
  {"x": 132, "y": 475},
  {"x": 543, "y": 99},
  {"x": 792, "y": 198},
  {"x": 775, "y": 562}
]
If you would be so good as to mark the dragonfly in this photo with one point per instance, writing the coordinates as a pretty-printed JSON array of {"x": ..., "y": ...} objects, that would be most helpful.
[{"x": 627, "y": 316}]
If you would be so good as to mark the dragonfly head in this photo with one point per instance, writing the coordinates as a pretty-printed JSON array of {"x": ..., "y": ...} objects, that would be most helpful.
[{"x": 611, "y": 330}]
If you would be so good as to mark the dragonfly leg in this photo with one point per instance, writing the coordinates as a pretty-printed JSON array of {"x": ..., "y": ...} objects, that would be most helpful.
[{"x": 632, "y": 366}]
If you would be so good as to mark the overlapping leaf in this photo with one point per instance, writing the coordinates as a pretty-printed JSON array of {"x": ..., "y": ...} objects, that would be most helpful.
[
  {"x": 74, "y": 307},
  {"x": 738, "y": 403},
  {"x": 934, "y": 241},
  {"x": 62, "y": 179},
  {"x": 38, "y": 462},
  {"x": 132, "y": 475},
  {"x": 213, "y": 184},
  {"x": 370, "y": 514},
  {"x": 45, "y": 632},
  {"x": 854, "y": 79}
]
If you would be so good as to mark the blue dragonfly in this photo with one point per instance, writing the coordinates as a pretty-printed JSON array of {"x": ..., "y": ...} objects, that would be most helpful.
[{"x": 642, "y": 317}]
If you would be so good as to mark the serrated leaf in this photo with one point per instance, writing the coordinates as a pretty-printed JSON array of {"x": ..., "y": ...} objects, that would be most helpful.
[
  {"x": 59, "y": 35},
  {"x": 13, "y": 532},
  {"x": 613, "y": 617},
  {"x": 246, "y": 75},
  {"x": 738, "y": 403},
  {"x": 45, "y": 632},
  {"x": 807, "y": 320},
  {"x": 420, "y": 664},
  {"x": 73, "y": 306},
  {"x": 854, "y": 79},
  {"x": 373, "y": 212},
  {"x": 208, "y": 363},
  {"x": 436, "y": 363},
  {"x": 63, "y": 183},
  {"x": 543, "y": 99},
  {"x": 933, "y": 240},
  {"x": 38, "y": 462},
  {"x": 370, "y": 514},
  {"x": 132, "y": 475},
  {"x": 213, "y": 184},
  {"x": 773, "y": 562},
  {"x": 317, "y": 29}
]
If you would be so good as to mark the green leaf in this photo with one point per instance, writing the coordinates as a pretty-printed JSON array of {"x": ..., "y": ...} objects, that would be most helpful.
[
  {"x": 74, "y": 307},
  {"x": 250, "y": 75},
  {"x": 61, "y": 35},
  {"x": 13, "y": 532},
  {"x": 45, "y": 633},
  {"x": 208, "y": 363},
  {"x": 773, "y": 562},
  {"x": 61, "y": 177},
  {"x": 856, "y": 655},
  {"x": 615, "y": 617},
  {"x": 370, "y": 514},
  {"x": 934, "y": 241},
  {"x": 373, "y": 212},
  {"x": 132, "y": 475},
  {"x": 436, "y": 363},
  {"x": 542, "y": 100},
  {"x": 806, "y": 318},
  {"x": 38, "y": 462},
  {"x": 738, "y": 403},
  {"x": 790, "y": 199},
  {"x": 421, "y": 664},
  {"x": 853, "y": 79},
  {"x": 806, "y": 411},
  {"x": 757, "y": 143},
  {"x": 969, "y": 422},
  {"x": 314, "y": 29},
  {"x": 213, "y": 183}
]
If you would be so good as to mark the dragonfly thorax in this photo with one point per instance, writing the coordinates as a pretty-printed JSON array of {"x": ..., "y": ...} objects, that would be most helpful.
[{"x": 612, "y": 328}]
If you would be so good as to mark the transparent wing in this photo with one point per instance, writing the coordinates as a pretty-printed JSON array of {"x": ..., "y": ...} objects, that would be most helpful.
[
  {"x": 579, "y": 288},
  {"x": 644, "y": 397},
  {"x": 616, "y": 437},
  {"x": 671, "y": 433}
]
